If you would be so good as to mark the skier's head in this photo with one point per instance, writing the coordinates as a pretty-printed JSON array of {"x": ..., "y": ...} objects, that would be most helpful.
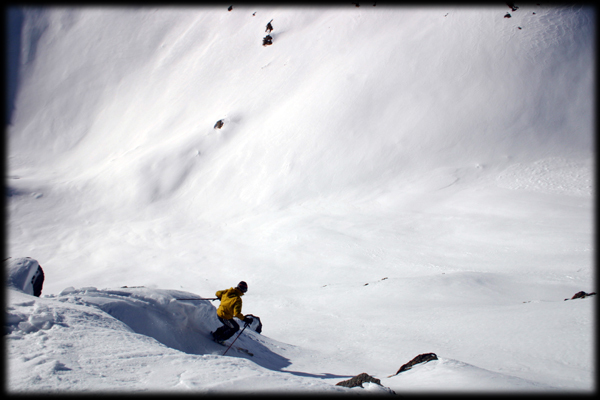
[{"x": 242, "y": 286}]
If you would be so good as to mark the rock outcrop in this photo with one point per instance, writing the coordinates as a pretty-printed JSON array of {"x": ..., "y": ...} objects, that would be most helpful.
[
  {"x": 581, "y": 295},
  {"x": 358, "y": 380},
  {"x": 421, "y": 358}
]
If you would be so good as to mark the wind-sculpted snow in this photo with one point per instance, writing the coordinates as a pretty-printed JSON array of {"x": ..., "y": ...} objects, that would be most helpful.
[
  {"x": 184, "y": 325},
  {"x": 89, "y": 330},
  {"x": 25, "y": 274},
  {"x": 154, "y": 313}
]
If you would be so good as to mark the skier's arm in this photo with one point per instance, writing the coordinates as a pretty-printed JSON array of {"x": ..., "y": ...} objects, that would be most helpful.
[{"x": 237, "y": 310}]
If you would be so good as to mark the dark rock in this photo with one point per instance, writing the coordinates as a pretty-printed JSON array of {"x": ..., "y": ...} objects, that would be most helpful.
[
  {"x": 255, "y": 322},
  {"x": 507, "y": 15},
  {"x": 421, "y": 358},
  {"x": 512, "y": 6},
  {"x": 230, "y": 8},
  {"x": 219, "y": 124},
  {"x": 38, "y": 281},
  {"x": 581, "y": 295},
  {"x": 358, "y": 380},
  {"x": 267, "y": 40}
]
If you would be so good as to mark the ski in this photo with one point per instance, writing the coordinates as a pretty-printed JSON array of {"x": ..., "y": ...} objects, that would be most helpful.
[
  {"x": 238, "y": 348},
  {"x": 243, "y": 350},
  {"x": 200, "y": 298}
]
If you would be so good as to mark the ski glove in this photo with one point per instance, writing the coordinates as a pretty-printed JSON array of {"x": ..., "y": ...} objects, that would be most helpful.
[{"x": 248, "y": 321}]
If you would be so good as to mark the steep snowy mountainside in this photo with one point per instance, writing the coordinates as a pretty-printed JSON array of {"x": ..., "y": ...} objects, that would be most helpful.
[
  {"x": 418, "y": 178},
  {"x": 343, "y": 98},
  {"x": 401, "y": 113}
]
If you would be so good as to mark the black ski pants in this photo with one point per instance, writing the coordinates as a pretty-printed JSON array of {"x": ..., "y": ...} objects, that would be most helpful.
[{"x": 229, "y": 328}]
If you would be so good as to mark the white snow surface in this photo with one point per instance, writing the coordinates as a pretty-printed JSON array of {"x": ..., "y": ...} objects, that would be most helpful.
[{"x": 390, "y": 181}]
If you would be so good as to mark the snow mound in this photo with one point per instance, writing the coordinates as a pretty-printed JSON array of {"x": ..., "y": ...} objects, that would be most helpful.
[
  {"x": 26, "y": 275},
  {"x": 155, "y": 313},
  {"x": 448, "y": 375},
  {"x": 138, "y": 339},
  {"x": 183, "y": 325}
]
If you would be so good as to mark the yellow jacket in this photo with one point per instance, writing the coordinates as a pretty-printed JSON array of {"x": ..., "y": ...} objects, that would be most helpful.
[{"x": 231, "y": 303}]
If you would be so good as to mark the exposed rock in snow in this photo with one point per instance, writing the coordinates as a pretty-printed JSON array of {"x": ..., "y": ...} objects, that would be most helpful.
[
  {"x": 421, "y": 358},
  {"x": 581, "y": 295},
  {"x": 370, "y": 383},
  {"x": 512, "y": 6},
  {"x": 358, "y": 380}
]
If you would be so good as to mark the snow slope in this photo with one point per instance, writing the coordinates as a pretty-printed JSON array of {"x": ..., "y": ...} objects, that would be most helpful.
[
  {"x": 389, "y": 181},
  {"x": 133, "y": 340},
  {"x": 140, "y": 339}
]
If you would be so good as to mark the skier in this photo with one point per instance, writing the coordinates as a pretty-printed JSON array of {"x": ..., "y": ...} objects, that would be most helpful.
[
  {"x": 269, "y": 27},
  {"x": 231, "y": 306}
]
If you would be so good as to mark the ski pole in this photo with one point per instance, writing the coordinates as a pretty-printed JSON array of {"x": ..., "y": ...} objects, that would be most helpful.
[
  {"x": 211, "y": 299},
  {"x": 245, "y": 326}
]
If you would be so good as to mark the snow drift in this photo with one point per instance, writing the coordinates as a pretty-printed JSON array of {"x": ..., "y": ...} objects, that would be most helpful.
[{"x": 26, "y": 275}]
